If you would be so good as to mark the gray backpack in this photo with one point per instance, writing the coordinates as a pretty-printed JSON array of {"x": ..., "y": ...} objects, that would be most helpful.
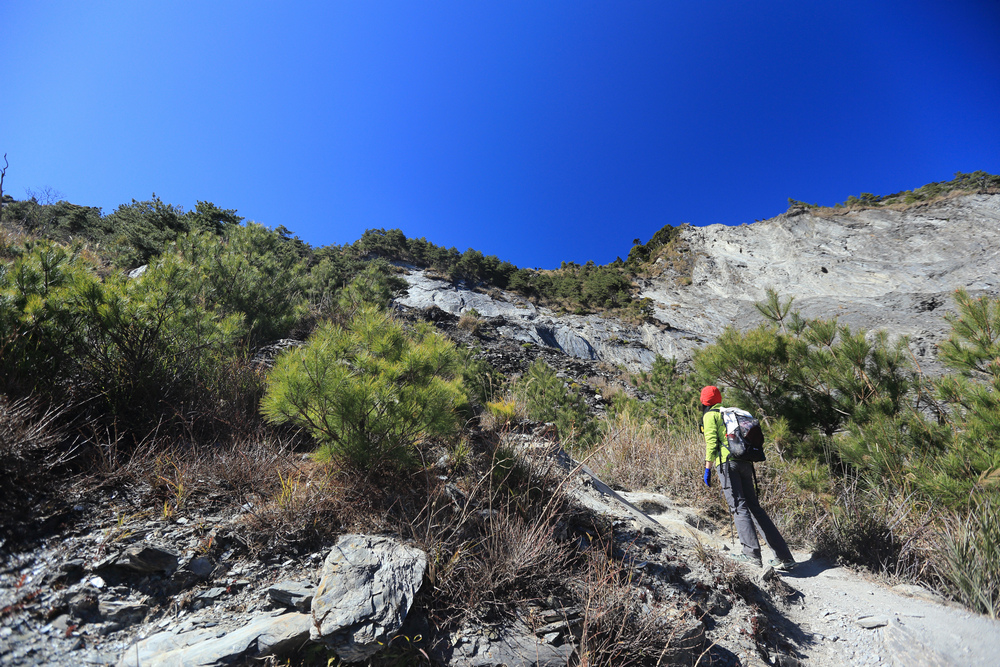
[{"x": 744, "y": 437}]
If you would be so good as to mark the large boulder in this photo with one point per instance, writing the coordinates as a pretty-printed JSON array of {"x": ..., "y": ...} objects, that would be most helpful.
[{"x": 366, "y": 590}]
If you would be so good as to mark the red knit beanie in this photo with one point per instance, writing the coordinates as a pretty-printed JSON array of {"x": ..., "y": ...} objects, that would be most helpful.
[{"x": 711, "y": 396}]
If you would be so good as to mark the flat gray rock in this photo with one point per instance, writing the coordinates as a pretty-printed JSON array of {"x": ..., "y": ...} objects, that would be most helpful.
[
  {"x": 148, "y": 559},
  {"x": 295, "y": 594},
  {"x": 513, "y": 644},
  {"x": 200, "y": 567},
  {"x": 264, "y": 636},
  {"x": 906, "y": 650},
  {"x": 872, "y": 622},
  {"x": 123, "y": 612}
]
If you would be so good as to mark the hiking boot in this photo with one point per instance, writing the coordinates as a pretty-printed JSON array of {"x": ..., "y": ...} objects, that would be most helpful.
[
  {"x": 782, "y": 565},
  {"x": 748, "y": 560}
]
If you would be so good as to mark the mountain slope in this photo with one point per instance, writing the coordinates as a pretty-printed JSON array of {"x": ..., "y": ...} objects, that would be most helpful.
[
  {"x": 873, "y": 268},
  {"x": 869, "y": 268}
]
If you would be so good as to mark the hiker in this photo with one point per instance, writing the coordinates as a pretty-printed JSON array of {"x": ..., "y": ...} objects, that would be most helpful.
[{"x": 737, "y": 480}]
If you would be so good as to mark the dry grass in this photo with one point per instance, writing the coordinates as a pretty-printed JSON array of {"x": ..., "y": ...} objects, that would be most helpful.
[
  {"x": 33, "y": 449},
  {"x": 890, "y": 535},
  {"x": 636, "y": 455},
  {"x": 12, "y": 236},
  {"x": 607, "y": 389},
  {"x": 470, "y": 321},
  {"x": 968, "y": 557},
  {"x": 623, "y": 624},
  {"x": 900, "y": 206},
  {"x": 494, "y": 539}
]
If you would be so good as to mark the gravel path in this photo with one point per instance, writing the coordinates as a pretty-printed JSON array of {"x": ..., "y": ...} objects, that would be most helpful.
[
  {"x": 913, "y": 630},
  {"x": 832, "y": 616}
]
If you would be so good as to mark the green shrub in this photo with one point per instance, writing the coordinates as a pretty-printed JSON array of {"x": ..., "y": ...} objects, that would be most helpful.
[
  {"x": 376, "y": 285},
  {"x": 56, "y": 221},
  {"x": 152, "y": 344},
  {"x": 673, "y": 405},
  {"x": 815, "y": 374},
  {"x": 548, "y": 399},
  {"x": 41, "y": 327},
  {"x": 977, "y": 181},
  {"x": 503, "y": 411},
  {"x": 126, "y": 349},
  {"x": 251, "y": 272},
  {"x": 143, "y": 229},
  {"x": 369, "y": 390},
  {"x": 481, "y": 380}
]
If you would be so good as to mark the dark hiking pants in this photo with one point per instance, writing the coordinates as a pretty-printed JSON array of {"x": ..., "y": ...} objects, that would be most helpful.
[{"x": 736, "y": 478}]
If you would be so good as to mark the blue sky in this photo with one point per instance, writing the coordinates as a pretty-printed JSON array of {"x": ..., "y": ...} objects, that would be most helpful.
[{"x": 539, "y": 132}]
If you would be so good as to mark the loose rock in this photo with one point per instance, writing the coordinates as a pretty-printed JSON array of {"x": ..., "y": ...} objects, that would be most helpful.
[{"x": 366, "y": 590}]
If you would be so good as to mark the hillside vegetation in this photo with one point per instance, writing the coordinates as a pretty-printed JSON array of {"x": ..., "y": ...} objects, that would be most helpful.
[
  {"x": 977, "y": 182},
  {"x": 166, "y": 384}
]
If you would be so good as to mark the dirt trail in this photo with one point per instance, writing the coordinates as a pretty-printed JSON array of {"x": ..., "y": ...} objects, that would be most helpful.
[
  {"x": 823, "y": 610},
  {"x": 828, "y": 612}
]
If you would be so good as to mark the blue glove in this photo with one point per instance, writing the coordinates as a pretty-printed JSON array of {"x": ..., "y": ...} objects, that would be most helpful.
[{"x": 708, "y": 477}]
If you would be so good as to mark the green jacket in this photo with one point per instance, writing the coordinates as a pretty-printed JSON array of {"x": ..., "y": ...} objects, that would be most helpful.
[{"x": 716, "y": 449}]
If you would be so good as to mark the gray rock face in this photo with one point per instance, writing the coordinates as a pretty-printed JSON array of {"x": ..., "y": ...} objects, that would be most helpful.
[
  {"x": 584, "y": 337},
  {"x": 871, "y": 269},
  {"x": 425, "y": 291},
  {"x": 367, "y": 588}
]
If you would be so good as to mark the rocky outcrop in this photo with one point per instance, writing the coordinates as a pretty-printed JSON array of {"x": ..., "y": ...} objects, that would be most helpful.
[
  {"x": 871, "y": 269},
  {"x": 876, "y": 268},
  {"x": 588, "y": 337},
  {"x": 367, "y": 588}
]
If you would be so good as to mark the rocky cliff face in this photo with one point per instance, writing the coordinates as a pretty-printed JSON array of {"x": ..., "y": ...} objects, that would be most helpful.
[{"x": 876, "y": 268}]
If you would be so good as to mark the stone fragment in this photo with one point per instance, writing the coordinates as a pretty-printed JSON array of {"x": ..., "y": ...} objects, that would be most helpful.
[
  {"x": 687, "y": 644},
  {"x": 83, "y": 605},
  {"x": 551, "y": 637},
  {"x": 72, "y": 567},
  {"x": 148, "y": 559},
  {"x": 62, "y": 623},
  {"x": 211, "y": 594},
  {"x": 123, "y": 612},
  {"x": 295, "y": 594},
  {"x": 365, "y": 592},
  {"x": 787, "y": 661},
  {"x": 200, "y": 567},
  {"x": 264, "y": 636},
  {"x": 872, "y": 622}
]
